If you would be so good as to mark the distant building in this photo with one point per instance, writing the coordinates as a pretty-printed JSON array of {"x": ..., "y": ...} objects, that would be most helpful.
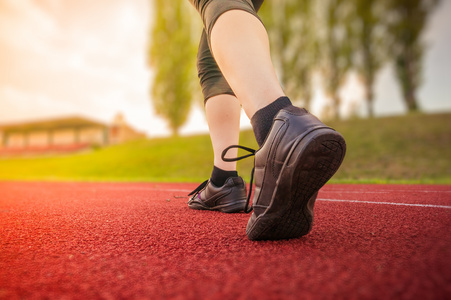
[
  {"x": 120, "y": 131},
  {"x": 63, "y": 135}
]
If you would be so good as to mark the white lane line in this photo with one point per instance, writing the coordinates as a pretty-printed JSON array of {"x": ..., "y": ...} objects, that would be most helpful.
[
  {"x": 174, "y": 190},
  {"x": 382, "y": 192},
  {"x": 141, "y": 188},
  {"x": 386, "y": 203},
  {"x": 320, "y": 199},
  {"x": 322, "y": 191},
  {"x": 353, "y": 201},
  {"x": 144, "y": 188}
]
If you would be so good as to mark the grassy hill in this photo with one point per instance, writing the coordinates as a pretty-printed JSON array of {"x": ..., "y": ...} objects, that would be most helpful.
[{"x": 406, "y": 149}]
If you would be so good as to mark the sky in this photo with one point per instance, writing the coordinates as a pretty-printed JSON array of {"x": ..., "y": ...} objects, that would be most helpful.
[{"x": 89, "y": 58}]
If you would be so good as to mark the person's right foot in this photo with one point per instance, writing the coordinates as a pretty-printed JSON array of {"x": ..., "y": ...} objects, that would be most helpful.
[
  {"x": 299, "y": 155},
  {"x": 229, "y": 198}
]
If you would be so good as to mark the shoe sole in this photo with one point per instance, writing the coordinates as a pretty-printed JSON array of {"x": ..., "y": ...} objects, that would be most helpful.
[
  {"x": 312, "y": 161},
  {"x": 235, "y": 207}
]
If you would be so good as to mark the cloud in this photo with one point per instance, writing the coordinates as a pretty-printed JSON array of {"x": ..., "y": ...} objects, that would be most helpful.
[
  {"x": 75, "y": 57},
  {"x": 60, "y": 57},
  {"x": 17, "y": 102}
]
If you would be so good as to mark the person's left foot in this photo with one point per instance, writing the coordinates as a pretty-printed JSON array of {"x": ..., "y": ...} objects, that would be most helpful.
[{"x": 228, "y": 198}]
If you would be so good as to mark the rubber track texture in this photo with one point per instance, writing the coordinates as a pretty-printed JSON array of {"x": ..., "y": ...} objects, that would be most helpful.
[{"x": 75, "y": 240}]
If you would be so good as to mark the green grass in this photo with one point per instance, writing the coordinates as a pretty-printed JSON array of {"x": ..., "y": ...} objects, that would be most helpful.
[{"x": 407, "y": 149}]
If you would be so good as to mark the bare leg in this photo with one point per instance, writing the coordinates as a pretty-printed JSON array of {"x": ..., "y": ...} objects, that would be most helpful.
[
  {"x": 241, "y": 48},
  {"x": 223, "y": 117}
]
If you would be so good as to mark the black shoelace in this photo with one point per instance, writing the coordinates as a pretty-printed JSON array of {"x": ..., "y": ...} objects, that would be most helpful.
[
  {"x": 247, "y": 209},
  {"x": 198, "y": 189}
]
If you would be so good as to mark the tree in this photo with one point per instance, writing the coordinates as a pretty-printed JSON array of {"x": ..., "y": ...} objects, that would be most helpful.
[
  {"x": 371, "y": 44},
  {"x": 172, "y": 57},
  {"x": 337, "y": 48},
  {"x": 293, "y": 45},
  {"x": 407, "y": 20}
]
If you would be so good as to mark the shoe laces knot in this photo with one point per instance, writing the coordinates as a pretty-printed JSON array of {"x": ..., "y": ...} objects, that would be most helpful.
[
  {"x": 197, "y": 190},
  {"x": 252, "y": 152}
]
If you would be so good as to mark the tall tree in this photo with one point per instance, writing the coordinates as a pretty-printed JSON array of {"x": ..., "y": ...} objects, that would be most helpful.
[
  {"x": 172, "y": 57},
  {"x": 337, "y": 47},
  {"x": 371, "y": 44},
  {"x": 408, "y": 19},
  {"x": 293, "y": 45}
]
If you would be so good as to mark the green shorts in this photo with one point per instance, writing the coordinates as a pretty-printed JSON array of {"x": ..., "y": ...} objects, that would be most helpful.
[{"x": 211, "y": 79}]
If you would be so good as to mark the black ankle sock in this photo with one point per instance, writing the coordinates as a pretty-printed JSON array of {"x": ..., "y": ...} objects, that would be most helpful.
[
  {"x": 219, "y": 176},
  {"x": 262, "y": 120}
]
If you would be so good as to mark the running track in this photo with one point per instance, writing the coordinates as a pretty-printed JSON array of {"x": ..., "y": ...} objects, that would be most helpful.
[{"x": 140, "y": 241}]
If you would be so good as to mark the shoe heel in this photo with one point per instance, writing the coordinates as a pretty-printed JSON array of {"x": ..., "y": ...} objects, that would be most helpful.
[{"x": 312, "y": 161}]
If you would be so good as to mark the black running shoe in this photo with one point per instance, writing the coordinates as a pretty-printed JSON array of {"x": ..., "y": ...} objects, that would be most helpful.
[
  {"x": 229, "y": 198},
  {"x": 299, "y": 155}
]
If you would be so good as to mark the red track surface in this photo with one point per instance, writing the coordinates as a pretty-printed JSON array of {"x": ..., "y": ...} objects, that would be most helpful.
[{"x": 116, "y": 241}]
